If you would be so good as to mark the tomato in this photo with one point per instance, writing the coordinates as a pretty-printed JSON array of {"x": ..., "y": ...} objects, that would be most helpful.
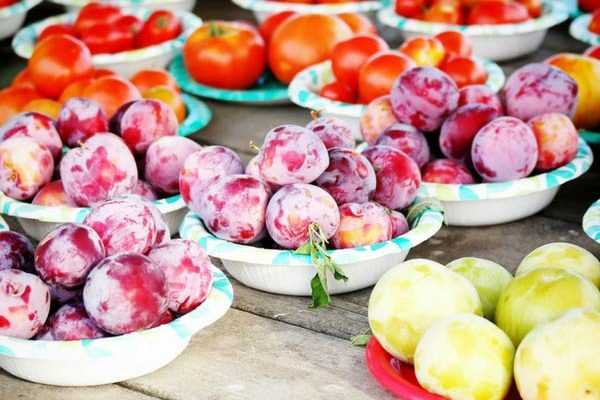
[
  {"x": 13, "y": 99},
  {"x": 170, "y": 97},
  {"x": 465, "y": 71},
  {"x": 359, "y": 24},
  {"x": 57, "y": 29},
  {"x": 298, "y": 1},
  {"x": 100, "y": 72},
  {"x": 130, "y": 22},
  {"x": 304, "y": 40},
  {"x": 48, "y": 107},
  {"x": 161, "y": 25},
  {"x": 495, "y": 12},
  {"x": 111, "y": 92},
  {"x": 75, "y": 89},
  {"x": 336, "y": 1},
  {"x": 6, "y": 3},
  {"x": 223, "y": 54},
  {"x": 593, "y": 52},
  {"x": 594, "y": 25},
  {"x": 272, "y": 22},
  {"x": 425, "y": 51},
  {"x": 339, "y": 92},
  {"x": 349, "y": 55},
  {"x": 108, "y": 38},
  {"x": 23, "y": 79},
  {"x": 534, "y": 7},
  {"x": 455, "y": 44},
  {"x": 410, "y": 8},
  {"x": 149, "y": 78},
  {"x": 377, "y": 76},
  {"x": 589, "y": 5},
  {"x": 94, "y": 13},
  {"x": 56, "y": 62},
  {"x": 446, "y": 12}
]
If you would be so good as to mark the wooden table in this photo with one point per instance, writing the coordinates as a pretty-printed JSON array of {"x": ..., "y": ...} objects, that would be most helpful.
[{"x": 274, "y": 347}]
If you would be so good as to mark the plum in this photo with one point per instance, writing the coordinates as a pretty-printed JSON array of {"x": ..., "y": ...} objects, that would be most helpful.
[
  {"x": 557, "y": 140},
  {"x": 407, "y": 139},
  {"x": 101, "y": 169},
  {"x": 539, "y": 89},
  {"x": 292, "y": 154},
  {"x": 253, "y": 170},
  {"x": 362, "y": 225},
  {"x": 164, "y": 160},
  {"x": 144, "y": 190},
  {"x": 25, "y": 166},
  {"x": 67, "y": 254},
  {"x": 126, "y": 293},
  {"x": 166, "y": 318},
  {"x": 144, "y": 121},
  {"x": 480, "y": 94},
  {"x": 79, "y": 119},
  {"x": 16, "y": 251},
  {"x": 458, "y": 131},
  {"x": 447, "y": 172},
  {"x": 234, "y": 207},
  {"x": 398, "y": 176},
  {"x": 399, "y": 223},
  {"x": 187, "y": 269},
  {"x": 71, "y": 322},
  {"x": 294, "y": 208},
  {"x": 37, "y": 126},
  {"x": 349, "y": 178},
  {"x": 424, "y": 97},
  {"x": 504, "y": 150},
  {"x": 203, "y": 168},
  {"x": 376, "y": 118},
  {"x": 24, "y": 303},
  {"x": 334, "y": 132},
  {"x": 53, "y": 194},
  {"x": 124, "y": 225}
]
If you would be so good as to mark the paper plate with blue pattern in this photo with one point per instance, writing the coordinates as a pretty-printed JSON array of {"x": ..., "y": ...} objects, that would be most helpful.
[
  {"x": 591, "y": 221},
  {"x": 113, "y": 359},
  {"x": 579, "y": 30},
  {"x": 13, "y": 16},
  {"x": 271, "y": 7},
  {"x": 198, "y": 115},
  {"x": 173, "y": 5},
  {"x": 285, "y": 272},
  {"x": 267, "y": 91},
  {"x": 125, "y": 63}
]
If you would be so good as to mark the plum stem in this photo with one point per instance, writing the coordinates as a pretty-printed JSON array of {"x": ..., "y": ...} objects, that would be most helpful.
[
  {"x": 254, "y": 147},
  {"x": 315, "y": 114}
]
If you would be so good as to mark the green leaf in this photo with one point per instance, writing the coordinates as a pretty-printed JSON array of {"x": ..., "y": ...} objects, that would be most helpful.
[
  {"x": 320, "y": 297},
  {"x": 304, "y": 250},
  {"x": 360, "y": 340}
]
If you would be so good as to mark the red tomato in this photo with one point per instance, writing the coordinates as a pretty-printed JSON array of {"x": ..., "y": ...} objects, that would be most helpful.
[
  {"x": 74, "y": 89},
  {"x": 13, "y": 99},
  {"x": 349, "y": 55},
  {"x": 130, "y": 22},
  {"x": 495, "y": 12},
  {"x": 465, "y": 71},
  {"x": 339, "y": 92},
  {"x": 23, "y": 79},
  {"x": 336, "y": 1},
  {"x": 378, "y": 74},
  {"x": 148, "y": 78},
  {"x": 6, "y": 3},
  {"x": 593, "y": 51},
  {"x": 446, "y": 12},
  {"x": 304, "y": 40},
  {"x": 359, "y": 24},
  {"x": 100, "y": 72},
  {"x": 161, "y": 25},
  {"x": 594, "y": 25},
  {"x": 111, "y": 92},
  {"x": 410, "y": 8},
  {"x": 57, "y": 61},
  {"x": 108, "y": 38},
  {"x": 227, "y": 55},
  {"x": 589, "y": 5},
  {"x": 94, "y": 13},
  {"x": 533, "y": 6},
  {"x": 57, "y": 29},
  {"x": 455, "y": 43},
  {"x": 271, "y": 23},
  {"x": 425, "y": 51}
]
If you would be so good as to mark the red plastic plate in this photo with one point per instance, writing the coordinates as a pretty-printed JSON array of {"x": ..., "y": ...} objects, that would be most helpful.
[{"x": 399, "y": 378}]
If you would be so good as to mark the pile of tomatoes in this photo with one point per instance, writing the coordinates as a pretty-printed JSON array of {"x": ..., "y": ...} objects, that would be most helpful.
[
  {"x": 319, "y": 1},
  {"x": 470, "y": 12},
  {"x": 61, "y": 68},
  {"x": 105, "y": 28},
  {"x": 365, "y": 68},
  {"x": 236, "y": 54}
]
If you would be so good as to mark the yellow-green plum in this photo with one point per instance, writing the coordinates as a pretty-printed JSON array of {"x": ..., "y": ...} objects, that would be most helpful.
[
  {"x": 542, "y": 296},
  {"x": 563, "y": 256},
  {"x": 559, "y": 360},
  {"x": 489, "y": 279},
  {"x": 465, "y": 357},
  {"x": 410, "y": 297}
]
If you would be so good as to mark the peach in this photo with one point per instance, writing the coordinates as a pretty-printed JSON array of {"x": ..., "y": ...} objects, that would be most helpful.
[
  {"x": 557, "y": 140},
  {"x": 362, "y": 225}
]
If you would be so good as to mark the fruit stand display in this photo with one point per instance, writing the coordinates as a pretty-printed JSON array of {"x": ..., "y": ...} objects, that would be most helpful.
[{"x": 387, "y": 209}]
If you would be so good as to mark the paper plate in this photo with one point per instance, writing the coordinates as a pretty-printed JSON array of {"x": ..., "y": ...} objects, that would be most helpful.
[
  {"x": 591, "y": 221},
  {"x": 590, "y": 137},
  {"x": 113, "y": 359},
  {"x": 13, "y": 16},
  {"x": 496, "y": 203},
  {"x": 263, "y": 9},
  {"x": 197, "y": 117},
  {"x": 3, "y": 225},
  {"x": 493, "y": 42},
  {"x": 172, "y": 5},
  {"x": 284, "y": 272},
  {"x": 269, "y": 91},
  {"x": 579, "y": 30},
  {"x": 306, "y": 85},
  {"x": 125, "y": 63}
]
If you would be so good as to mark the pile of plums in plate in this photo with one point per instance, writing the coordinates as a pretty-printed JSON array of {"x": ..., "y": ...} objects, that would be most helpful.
[
  {"x": 117, "y": 272},
  {"x": 471, "y": 135},
  {"x": 136, "y": 151}
]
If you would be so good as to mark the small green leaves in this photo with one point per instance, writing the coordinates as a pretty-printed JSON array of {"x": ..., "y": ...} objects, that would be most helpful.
[{"x": 362, "y": 339}]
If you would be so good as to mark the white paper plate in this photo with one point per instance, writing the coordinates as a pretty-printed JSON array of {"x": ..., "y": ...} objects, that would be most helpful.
[
  {"x": 579, "y": 30},
  {"x": 591, "y": 221},
  {"x": 172, "y": 5},
  {"x": 13, "y": 16}
]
